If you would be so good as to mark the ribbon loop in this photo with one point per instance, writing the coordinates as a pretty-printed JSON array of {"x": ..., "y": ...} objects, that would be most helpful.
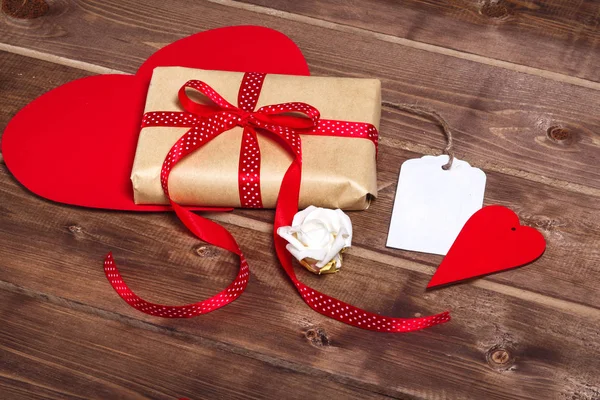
[
  {"x": 299, "y": 124},
  {"x": 277, "y": 116},
  {"x": 203, "y": 110},
  {"x": 293, "y": 107}
]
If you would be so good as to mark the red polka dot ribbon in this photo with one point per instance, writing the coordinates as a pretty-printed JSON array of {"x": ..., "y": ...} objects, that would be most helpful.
[{"x": 280, "y": 121}]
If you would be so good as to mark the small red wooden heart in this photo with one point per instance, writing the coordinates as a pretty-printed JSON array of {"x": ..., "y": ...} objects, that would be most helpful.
[
  {"x": 76, "y": 143},
  {"x": 492, "y": 240}
]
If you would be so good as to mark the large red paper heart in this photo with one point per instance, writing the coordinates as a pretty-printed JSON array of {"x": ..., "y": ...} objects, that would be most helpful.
[
  {"x": 492, "y": 240},
  {"x": 76, "y": 143}
]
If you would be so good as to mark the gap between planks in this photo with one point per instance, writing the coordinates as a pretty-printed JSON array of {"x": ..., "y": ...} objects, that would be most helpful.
[
  {"x": 39, "y": 55},
  {"x": 201, "y": 340},
  {"x": 97, "y": 69},
  {"x": 548, "y": 301},
  {"x": 495, "y": 167},
  {"x": 556, "y": 76},
  {"x": 246, "y": 222}
]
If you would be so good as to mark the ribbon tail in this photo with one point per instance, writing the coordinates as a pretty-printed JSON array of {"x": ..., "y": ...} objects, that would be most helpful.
[
  {"x": 206, "y": 230},
  {"x": 287, "y": 206},
  {"x": 226, "y": 296},
  {"x": 351, "y": 315}
]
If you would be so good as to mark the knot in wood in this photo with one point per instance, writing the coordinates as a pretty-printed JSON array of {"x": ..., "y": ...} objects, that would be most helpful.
[
  {"x": 317, "y": 337},
  {"x": 560, "y": 135},
  {"x": 26, "y": 9},
  {"x": 74, "y": 229},
  {"x": 494, "y": 9},
  {"x": 500, "y": 358},
  {"x": 204, "y": 251}
]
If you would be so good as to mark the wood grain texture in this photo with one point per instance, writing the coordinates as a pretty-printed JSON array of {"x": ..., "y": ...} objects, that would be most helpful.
[
  {"x": 55, "y": 252},
  {"x": 499, "y": 116},
  {"x": 550, "y": 352},
  {"x": 570, "y": 221},
  {"x": 50, "y": 351},
  {"x": 525, "y": 334},
  {"x": 24, "y": 8},
  {"x": 553, "y": 35}
]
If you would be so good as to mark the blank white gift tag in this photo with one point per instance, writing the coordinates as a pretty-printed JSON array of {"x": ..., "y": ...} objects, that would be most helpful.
[{"x": 432, "y": 204}]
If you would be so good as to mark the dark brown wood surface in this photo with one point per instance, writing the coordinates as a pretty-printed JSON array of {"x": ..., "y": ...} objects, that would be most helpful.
[
  {"x": 552, "y": 35},
  {"x": 529, "y": 333}
]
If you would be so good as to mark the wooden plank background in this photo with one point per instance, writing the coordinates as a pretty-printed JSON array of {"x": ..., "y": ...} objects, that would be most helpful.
[
  {"x": 65, "y": 334},
  {"x": 552, "y": 35}
]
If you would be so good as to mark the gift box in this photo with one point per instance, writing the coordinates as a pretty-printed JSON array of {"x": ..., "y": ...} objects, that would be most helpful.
[{"x": 337, "y": 171}]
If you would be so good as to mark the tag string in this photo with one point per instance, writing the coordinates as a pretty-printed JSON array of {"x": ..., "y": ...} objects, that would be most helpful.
[{"x": 425, "y": 112}]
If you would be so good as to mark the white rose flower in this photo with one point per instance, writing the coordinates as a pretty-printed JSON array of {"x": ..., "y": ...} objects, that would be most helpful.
[{"x": 317, "y": 238}]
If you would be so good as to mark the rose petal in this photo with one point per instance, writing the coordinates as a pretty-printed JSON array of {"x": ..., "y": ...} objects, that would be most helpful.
[
  {"x": 301, "y": 215},
  {"x": 338, "y": 244},
  {"x": 287, "y": 232},
  {"x": 300, "y": 254},
  {"x": 318, "y": 234},
  {"x": 314, "y": 234},
  {"x": 345, "y": 223}
]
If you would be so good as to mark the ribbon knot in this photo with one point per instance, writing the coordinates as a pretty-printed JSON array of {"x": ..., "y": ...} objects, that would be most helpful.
[
  {"x": 244, "y": 117},
  {"x": 294, "y": 116}
]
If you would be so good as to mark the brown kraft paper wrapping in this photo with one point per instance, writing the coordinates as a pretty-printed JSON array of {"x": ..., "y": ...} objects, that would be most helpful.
[{"x": 336, "y": 172}]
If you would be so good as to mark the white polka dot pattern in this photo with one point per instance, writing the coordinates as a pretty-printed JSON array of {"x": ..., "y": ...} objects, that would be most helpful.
[
  {"x": 195, "y": 138},
  {"x": 175, "y": 119},
  {"x": 347, "y": 129},
  {"x": 351, "y": 315},
  {"x": 250, "y": 90},
  {"x": 249, "y": 164},
  {"x": 249, "y": 171},
  {"x": 232, "y": 292},
  {"x": 206, "y": 123}
]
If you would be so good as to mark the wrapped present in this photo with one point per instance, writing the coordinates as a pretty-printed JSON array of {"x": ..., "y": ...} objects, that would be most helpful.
[{"x": 338, "y": 164}]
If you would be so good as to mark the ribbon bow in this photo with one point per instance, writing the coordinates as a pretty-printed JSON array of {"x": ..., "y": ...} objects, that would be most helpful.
[
  {"x": 265, "y": 117},
  {"x": 207, "y": 122},
  {"x": 273, "y": 118}
]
